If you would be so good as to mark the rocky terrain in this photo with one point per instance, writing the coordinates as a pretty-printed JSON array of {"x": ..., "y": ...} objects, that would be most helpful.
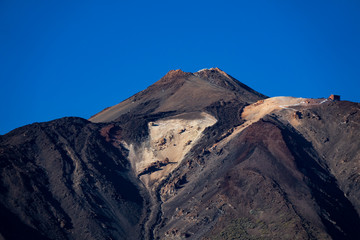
[{"x": 194, "y": 156}]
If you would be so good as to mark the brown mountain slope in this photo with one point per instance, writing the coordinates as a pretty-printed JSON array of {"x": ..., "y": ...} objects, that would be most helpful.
[
  {"x": 63, "y": 180},
  {"x": 333, "y": 130},
  {"x": 266, "y": 183},
  {"x": 182, "y": 92},
  {"x": 195, "y": 155}
]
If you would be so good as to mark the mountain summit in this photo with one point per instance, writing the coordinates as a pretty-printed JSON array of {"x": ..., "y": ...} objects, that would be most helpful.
[
  {"x": 181, "y": 91},
  {"x": 195, "y": 155}
]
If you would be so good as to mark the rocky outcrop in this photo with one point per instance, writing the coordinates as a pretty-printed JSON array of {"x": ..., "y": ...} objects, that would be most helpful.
[
  {"x": 155, "y": 166},
  {"x": 334, "y": 97}
]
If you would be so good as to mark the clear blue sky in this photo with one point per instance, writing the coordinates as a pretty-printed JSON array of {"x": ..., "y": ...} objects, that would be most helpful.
[{"x": 74, "y": 58}]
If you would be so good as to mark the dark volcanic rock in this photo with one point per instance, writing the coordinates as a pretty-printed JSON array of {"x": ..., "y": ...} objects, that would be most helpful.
[
  {"x": 62, "y": 180},
  {"x": 246, "y": 167}
]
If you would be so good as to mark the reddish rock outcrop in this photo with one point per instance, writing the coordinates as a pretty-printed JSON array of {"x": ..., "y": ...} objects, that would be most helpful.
[{"x": 334, "y": 97}]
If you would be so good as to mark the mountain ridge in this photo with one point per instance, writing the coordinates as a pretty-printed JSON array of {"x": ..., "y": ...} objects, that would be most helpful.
[
  {"x": 195, "y": 155},
  {"x": 177, "y": 88}
]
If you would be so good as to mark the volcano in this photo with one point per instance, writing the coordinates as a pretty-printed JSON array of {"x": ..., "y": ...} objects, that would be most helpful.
[{"x": 194, "y": 156}]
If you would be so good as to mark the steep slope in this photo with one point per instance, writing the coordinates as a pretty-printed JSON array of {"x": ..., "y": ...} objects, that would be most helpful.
[
  {"x": 179, "y": 92},
  {"x": 265, "y": 180},
  {"x": 333, "y": 130},
  {"x": 165, "y": 121},
  {"x": 63, "y": 180},
  {"x": 195, "y": 155}
]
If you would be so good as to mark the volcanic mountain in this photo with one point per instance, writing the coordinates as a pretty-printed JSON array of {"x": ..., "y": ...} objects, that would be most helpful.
[{"x": 194, "y": 156}]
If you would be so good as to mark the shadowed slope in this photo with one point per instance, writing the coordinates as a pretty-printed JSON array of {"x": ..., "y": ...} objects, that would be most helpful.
[{"x": 64, "y": 181}]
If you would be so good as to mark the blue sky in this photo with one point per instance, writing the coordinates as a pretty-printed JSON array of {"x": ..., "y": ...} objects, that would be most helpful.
[{"x": 74, "y": 58}]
